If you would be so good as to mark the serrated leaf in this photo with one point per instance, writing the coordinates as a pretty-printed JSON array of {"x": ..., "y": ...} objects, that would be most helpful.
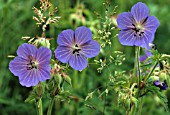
[{"x": 163, "y": 99}]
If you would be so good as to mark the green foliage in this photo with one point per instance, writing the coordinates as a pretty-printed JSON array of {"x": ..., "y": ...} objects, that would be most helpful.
[{"x": 105, "y": 81}]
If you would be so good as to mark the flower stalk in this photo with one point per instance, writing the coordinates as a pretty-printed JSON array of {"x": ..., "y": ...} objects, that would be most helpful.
[
  {"x": 146, "y": 78},
  {"x": 39, "y": 107},
  {"x": 138, "y": 67},
  {"x": 50, "y": 106}
]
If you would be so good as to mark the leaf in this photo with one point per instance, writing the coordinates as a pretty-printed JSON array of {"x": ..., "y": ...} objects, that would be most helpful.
[
  {"x": 164, "y": 100},
  {"x": 64, "y": 96},
  {"x": 168, "y": 80},
  {"x": 68, "y": 80},
  {"x": 134, "y": 101},
  {"x": 162, "y": 97},
  {"x": 31, "y": 98},
  {"x": 127, "y": 104}
]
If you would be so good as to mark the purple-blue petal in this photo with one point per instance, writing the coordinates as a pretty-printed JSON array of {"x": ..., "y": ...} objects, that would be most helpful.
[
  {"x": 161, "y": 85},
  {"x": 63, "y": 53},
  {"x": 157, "y": 82},
  {"x": 140, "y": 11},
  {"x": 139, "y": 41},
  {"x": 125, "y": 20},
  {"x": 26, "y": 50},
  {"x": 33, "y": 77},
  {"x": 127, "y": 37},
  {"x": 78, "y": 62},
  {"x": 148, "y": 53},
  {"x": 164, "y": 86},
  {"x": 90, "y": 49},
  {"x": 43, "y": 55},
  {"x": 143, "y": 58},
  {"x": 66, "y": 38},
  {"x": 82, "y": 35},
  {"x": 18, "y": 65},
  {"x": 151, "y": 24},
  {"x": 28, "y": 78},
  {"x": 43, "y": 73},
  {"x": 147, "y": 37}
]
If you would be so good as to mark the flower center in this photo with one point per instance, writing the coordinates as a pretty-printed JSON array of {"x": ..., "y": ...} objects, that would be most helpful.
[
  {"x": 139, "y": 29},
  {"x": 76, "y": 50},
  {"x": 32, "y": 63}
]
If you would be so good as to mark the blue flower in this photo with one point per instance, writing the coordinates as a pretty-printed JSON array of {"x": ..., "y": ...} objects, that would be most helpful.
[
  {"x": 161, "y": 85},
  {"x": 137, "y": 27},
  {"x": 32, "y": 65},
  {"x": 75, "y": 47}
]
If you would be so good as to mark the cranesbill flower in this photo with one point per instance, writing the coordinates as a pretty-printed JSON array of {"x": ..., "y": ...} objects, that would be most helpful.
[
  {"x": 75, "y": 47},
  {"x": 161, "y": 85},
  {"x": 32, "y": 65},
  {"x": 137, "y": 27}
]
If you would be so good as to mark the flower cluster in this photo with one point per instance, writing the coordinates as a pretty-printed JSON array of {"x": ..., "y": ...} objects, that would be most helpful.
[{"x": 32, "y": 65}]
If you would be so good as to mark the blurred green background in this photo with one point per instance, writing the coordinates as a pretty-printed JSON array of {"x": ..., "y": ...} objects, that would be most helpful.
[{"x": 16, "y": 21}]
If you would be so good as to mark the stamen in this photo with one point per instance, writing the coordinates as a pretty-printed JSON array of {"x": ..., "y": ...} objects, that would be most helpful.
[
  {"x": 76, "y": 49},
  {"x": 138, "y": 29},
  {"x": 32, "y": 64},
  {"x": 145, "y": 20},
  {"x": 133, "y": 25}
]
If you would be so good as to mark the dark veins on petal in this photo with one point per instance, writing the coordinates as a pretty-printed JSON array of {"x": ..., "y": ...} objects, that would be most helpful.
[{"x": 31, "y": 64}]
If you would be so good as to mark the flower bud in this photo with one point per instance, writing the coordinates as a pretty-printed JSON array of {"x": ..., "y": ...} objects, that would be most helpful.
[{"x": 43, "y": 42}]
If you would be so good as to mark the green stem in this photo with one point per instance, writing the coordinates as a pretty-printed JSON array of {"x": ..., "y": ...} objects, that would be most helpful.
[
  {"x": 75, "y": 82},
  {"x": 140, "y": 106},
  {"x": 134, "y": 70},
  {"x": 104, "y": 102},
  {"x": 146, "y": 78},
  {"x": 39, "y": 105},
  {"x": 36, "y": 105},
  {"x": 132, "y": 112},
  {"x": 50, "y": 106},
  {"x": 138, "y": 66}
]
